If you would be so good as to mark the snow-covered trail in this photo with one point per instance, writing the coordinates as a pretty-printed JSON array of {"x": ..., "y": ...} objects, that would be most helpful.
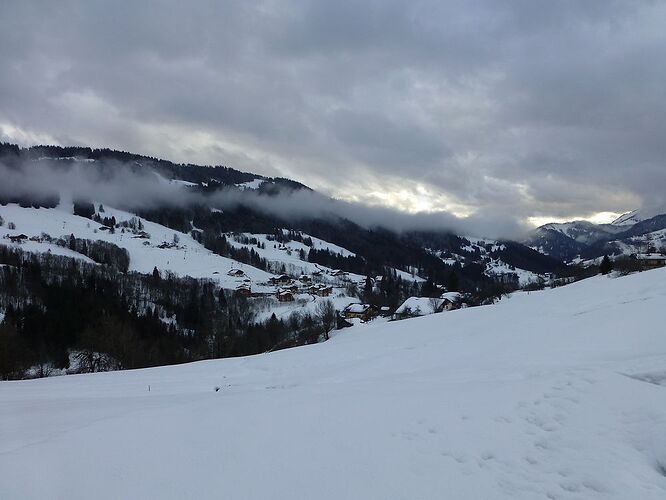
[{"x": 540, "y": 396}]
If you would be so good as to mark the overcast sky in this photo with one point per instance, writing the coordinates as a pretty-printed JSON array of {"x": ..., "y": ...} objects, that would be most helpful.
[{"x": 519, "y": 109}]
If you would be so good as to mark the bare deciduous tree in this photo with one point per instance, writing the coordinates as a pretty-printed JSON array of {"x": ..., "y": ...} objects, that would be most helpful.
[{"x": 327, "y": 316}]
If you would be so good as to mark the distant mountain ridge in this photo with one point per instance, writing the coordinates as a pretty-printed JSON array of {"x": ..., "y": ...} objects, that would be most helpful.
[{"x": 633, "y": 232}]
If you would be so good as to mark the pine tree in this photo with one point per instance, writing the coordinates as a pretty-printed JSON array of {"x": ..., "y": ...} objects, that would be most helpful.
[
  {"x": 606, "y": 265},
  {"x": 453, "y": 283}
]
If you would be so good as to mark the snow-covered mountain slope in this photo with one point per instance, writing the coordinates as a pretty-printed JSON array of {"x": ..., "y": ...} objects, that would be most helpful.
[
  {"x": 628, "y": 219},
  {"x": 288, "y": 253},
  {"x": 633, "y": 217},
  {"x": 654, "y": 241},
  {"x": 582, "y": 240},
  {"x": 498, "y": 268},
  {"x": 496, "y": 259},
  {"x": 555, "y": 394},
  {"x": 186, "y": 258}
]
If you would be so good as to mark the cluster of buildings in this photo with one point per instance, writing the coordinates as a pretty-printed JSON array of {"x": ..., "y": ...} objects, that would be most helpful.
[
  {"x": 288, "y": 293},
  {"x": 286, "y": 287},
  {"x": 410, "y": 308}
]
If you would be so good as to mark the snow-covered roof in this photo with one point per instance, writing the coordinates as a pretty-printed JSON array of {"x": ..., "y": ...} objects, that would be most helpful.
[
  {"x": 451, "y": 296},
  {"x": 282, "y": 277},
  {"x": 357, "y": 308},
  {"x": 419, "y": 306}
]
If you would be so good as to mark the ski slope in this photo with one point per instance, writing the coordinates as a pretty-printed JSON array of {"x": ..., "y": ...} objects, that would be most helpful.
[{"x": 559, "y": 394}]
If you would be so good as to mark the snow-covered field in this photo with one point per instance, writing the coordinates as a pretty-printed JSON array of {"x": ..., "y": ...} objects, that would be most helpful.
[{"x": 548, "y": 395}]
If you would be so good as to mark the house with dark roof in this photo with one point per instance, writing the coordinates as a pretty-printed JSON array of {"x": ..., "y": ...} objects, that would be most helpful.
[{"x": 651, "y": 260}]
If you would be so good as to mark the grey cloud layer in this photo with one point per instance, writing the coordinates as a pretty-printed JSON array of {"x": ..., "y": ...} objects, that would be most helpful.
[
  {"x": 515, "y": 109},
  {"x": 124, "y": 186}
]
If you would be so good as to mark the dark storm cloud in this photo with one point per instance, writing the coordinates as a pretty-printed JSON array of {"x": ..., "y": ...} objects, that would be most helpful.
[{"x": 515, "y": 109}]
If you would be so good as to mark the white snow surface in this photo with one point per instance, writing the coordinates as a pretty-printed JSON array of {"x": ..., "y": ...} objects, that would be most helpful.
[
  {"x": 253, "y": 184},
  {"x": 631, "y": 218},
  {"x": 547, "y": 395}
]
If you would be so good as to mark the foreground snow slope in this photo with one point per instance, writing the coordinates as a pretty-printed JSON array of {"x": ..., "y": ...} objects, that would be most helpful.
[{"x": 550, "y": 395}]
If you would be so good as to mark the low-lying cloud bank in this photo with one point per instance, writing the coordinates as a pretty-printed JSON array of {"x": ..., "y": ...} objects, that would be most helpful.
[
  {"x": 294, "y": 205},
  {"x": 129, "y": 187}
]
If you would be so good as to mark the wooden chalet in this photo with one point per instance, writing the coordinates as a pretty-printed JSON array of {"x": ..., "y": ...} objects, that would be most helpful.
[
  {"x": 285, "y": 296},
  {"x": 651, "y": 260},
  {"x": 281, "y": 280},
  {"x": 18, "y": 238},
  {"x": 364, "y": 312},
  {"x": 244, "y": 290}
]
